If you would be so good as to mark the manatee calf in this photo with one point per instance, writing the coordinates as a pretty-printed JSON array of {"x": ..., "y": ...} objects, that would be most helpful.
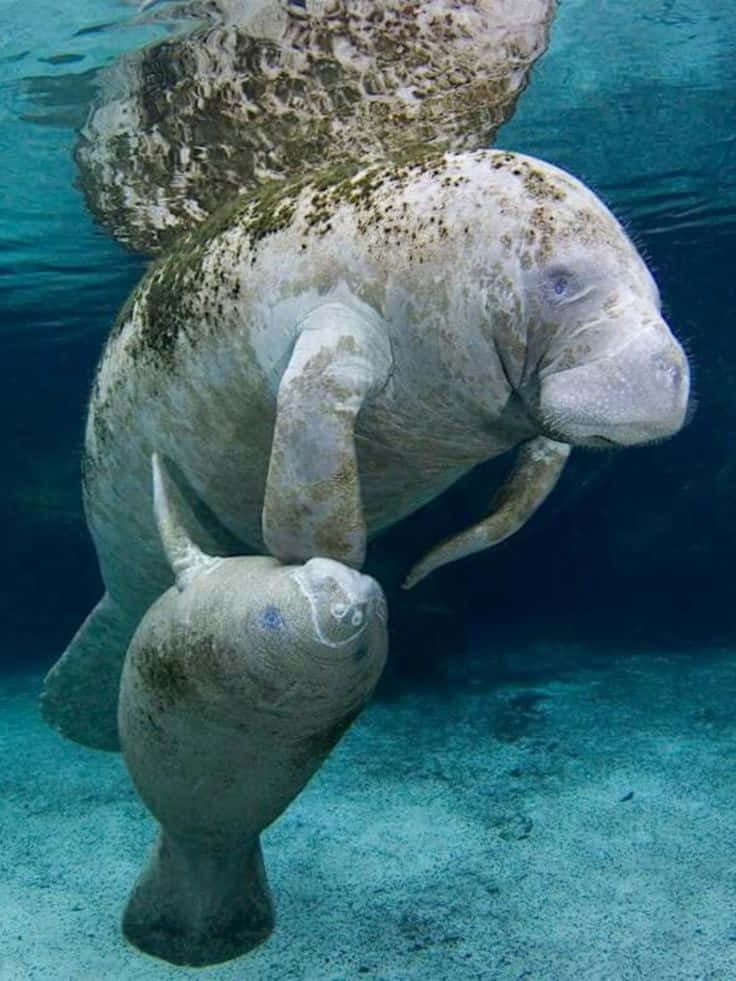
[
  {"x": 237, "y": 683},
  {"x": 319, "y": 362},
  {"x": 268, "y": 89}
]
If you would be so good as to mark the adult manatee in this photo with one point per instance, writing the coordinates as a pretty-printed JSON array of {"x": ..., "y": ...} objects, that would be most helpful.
[{"x": 319, "y": 362}]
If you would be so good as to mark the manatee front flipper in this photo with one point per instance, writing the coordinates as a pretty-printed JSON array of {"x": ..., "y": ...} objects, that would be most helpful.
[
  {"x": 312, "y": 503},
  {"x": 186, "y": 559},
  {"x": 537, "y": 469},
  {"x": 80, "y": 692}
]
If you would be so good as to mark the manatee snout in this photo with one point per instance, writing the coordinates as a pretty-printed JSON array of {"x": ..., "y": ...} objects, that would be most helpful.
[
  {"x": 638, "y": 393},
  {"x": 344, "y": 603}
]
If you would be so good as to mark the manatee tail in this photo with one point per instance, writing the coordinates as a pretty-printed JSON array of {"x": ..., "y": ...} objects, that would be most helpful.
[
  {"x": 80, "y": 693},
  {"x": 198, "y": 904}
]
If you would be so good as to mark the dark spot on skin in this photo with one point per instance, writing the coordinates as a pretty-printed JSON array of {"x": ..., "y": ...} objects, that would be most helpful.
[{"x": 163, "y": 674}]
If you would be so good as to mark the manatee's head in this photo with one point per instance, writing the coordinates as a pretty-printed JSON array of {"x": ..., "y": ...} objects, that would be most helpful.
[
  {"x": 602, "y": 367},
  {"x": 348, "y": 609}
]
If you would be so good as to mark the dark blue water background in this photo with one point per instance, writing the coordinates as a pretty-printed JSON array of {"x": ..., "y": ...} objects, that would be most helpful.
[{"x": 634, "y": 549}]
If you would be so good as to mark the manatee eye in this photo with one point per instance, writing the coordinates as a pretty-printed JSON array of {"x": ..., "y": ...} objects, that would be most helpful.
[
  {"x": 563, "y": 286},
  {"x": 559, "y": 284},
  {"x": 271, "y": 618}
]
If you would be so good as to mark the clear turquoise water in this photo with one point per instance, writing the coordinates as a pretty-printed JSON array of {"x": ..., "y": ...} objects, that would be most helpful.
[{"x": 637, "y": 97}]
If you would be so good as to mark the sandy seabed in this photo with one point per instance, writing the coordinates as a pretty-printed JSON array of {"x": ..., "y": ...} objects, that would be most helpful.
[{"x": 570, "y": 821}]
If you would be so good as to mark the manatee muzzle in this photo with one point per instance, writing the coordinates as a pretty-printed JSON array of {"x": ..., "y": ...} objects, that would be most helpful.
[
  {"x": 637, "y": 394},
  {"x": 343, "y": 602}
]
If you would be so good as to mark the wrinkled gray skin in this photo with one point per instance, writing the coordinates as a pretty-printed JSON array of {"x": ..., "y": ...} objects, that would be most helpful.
[
  {"x": 237, "y": 684},
  {"x": 270, "y": 89},
  {"x": 320, "y": 364}
]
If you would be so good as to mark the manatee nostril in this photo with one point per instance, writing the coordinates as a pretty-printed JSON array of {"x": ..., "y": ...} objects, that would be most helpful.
[
  {"x": 339, "y": 610},
  {"x": 351, "y": 613}
]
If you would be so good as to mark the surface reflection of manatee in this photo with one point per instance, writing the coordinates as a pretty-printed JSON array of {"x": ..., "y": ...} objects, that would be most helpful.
[{"x": 270, "y": 89}]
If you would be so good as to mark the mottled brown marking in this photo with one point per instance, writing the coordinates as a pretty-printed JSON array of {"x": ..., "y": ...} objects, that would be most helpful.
[{"x": 246, "y": 108}]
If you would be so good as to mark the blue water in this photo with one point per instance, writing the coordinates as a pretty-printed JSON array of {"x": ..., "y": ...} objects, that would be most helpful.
[{"x": 634, "y": 551}]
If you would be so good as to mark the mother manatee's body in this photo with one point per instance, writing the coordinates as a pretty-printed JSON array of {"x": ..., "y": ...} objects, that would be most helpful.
[{"x": 318, "y": 364}]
